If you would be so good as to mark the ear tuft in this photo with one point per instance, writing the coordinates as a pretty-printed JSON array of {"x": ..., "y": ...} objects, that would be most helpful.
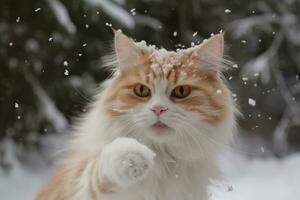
[
  {"x": 210, "y": 52},
  {"x": 127, "y": 51}
]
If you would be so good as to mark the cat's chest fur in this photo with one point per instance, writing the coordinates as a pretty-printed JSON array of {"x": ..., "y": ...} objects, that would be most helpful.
[{"x": 176, "y": 179}]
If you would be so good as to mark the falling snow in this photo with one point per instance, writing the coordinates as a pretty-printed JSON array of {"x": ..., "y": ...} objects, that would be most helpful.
[
  {"x": 235, "y": 66},
  {"x": 251, "y": 102},
  {"x": 227, "y": 11},
  {"x": 219, "y": 91},
  {"x": 66, "y": 72},
  {"x": 66, "y": 63},
  {"x": 133, "y": 11}
]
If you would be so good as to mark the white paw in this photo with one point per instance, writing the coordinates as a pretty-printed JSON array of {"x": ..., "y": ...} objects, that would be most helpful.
[{"x": 126, "y": 161}]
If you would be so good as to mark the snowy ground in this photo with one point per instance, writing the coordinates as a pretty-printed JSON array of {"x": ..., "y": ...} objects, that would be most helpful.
[
  {"x": 245, "y": 179},
  {"x": 260, "y": 179}
]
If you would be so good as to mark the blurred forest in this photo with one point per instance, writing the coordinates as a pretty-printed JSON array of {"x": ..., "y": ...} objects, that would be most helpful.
[{"x": 50, "y": 55}]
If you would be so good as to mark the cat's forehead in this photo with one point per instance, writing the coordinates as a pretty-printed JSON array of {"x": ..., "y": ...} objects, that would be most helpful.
[
  {"x": 169, "y": 65},
  {"x": 173, "y": 67},
  {"x": 162, "y": 59}
]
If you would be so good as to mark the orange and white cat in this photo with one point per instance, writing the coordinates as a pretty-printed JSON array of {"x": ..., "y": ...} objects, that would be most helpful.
[{"x": 155, "y": 129}]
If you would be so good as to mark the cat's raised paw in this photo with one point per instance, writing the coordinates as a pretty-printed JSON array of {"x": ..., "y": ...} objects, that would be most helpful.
[{"x": 126, "y": 161}]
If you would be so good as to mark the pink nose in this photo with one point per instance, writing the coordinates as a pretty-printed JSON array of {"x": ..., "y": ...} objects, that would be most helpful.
[{"x": 158, "y": 110}]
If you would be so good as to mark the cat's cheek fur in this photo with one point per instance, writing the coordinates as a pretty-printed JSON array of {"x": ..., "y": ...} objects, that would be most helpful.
[{"x": 126, "y": 161}]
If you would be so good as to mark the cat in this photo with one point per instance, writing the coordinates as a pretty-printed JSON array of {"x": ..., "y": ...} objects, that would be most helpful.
[{"x": 155, "y": 130}]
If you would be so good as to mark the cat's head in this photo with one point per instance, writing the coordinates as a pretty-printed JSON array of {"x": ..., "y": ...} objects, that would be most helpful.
[{"x": 162, "y": 94}]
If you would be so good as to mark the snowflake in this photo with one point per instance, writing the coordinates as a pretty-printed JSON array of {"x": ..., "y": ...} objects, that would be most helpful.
[
  {"x": 37, "y": 10},
  {"x": 251, "y": 102},
  {"x": 235, "y": 66},
  {"x": 66, "y": 72},
  {"x": 227, "y": 11},
  {"x": 133, "y": 11},
  {"x": 66, "y": 63},
  {"x": 219, "y": 91}
]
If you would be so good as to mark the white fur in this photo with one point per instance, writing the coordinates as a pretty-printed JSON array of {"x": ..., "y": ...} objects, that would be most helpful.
[{"x": 126, "y": 161}]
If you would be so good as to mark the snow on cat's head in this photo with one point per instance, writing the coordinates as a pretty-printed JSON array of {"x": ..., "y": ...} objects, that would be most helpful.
[{"x": 166, "y": 95}]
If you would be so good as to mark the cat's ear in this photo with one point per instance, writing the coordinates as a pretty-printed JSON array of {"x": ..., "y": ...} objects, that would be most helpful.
[
  {"x": 210, "y": 52},
  {"x": 126, "y": 50}
]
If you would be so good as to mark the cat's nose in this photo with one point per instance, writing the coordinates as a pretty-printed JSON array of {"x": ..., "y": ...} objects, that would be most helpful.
[{"x": 158, "y": 110}]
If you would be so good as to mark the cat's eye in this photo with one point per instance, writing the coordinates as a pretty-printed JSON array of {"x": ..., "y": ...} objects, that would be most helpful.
[
  {"x": 141, "y": 90},
  {"x": 181, "y": 91}
]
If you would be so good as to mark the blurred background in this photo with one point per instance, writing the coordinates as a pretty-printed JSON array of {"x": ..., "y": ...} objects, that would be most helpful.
[{"x": 50, "y": 58}]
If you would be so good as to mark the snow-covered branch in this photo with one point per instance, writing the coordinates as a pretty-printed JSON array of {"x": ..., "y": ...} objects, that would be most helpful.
[
  {"x": 115, "y": 11},
  {"x": 261, "y": 64},
  {"x": 62, "y": 15},
  {"x": 50, "y": 111},
  {"x": 148, "y": 21},
  {"x": 243, "y": 26}
]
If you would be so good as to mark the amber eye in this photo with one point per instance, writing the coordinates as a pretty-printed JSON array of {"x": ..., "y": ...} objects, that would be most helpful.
[
  {"x": 141, "y": 90},
  {"x": 181, "y": 91}
]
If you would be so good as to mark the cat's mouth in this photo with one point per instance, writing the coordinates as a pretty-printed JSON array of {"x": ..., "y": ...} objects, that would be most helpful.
[{"x": 159, "y": 126}]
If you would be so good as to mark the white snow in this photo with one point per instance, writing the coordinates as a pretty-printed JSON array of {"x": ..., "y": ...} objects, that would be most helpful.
[
  {"x": 219, "y": 91},
  {"x": 115, "y": 11},
  {"x": 66, "y": 72},
  {"x": 37, "y": 9},
  {"x": 259, "y": 179},
  {"x": 251, "y": 102},
  {"x": 227, "y": 11},
  {"x": 62, "y": 15},
  {"x": 244, "y": 179},
  {"x": 133, "y": 11},
  {"x": 235, "y": 66},
  {"x": 66, "y": 63}
]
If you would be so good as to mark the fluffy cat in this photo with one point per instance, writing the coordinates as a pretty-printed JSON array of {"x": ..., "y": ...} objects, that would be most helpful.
[{"x": 155, "y": 129}]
